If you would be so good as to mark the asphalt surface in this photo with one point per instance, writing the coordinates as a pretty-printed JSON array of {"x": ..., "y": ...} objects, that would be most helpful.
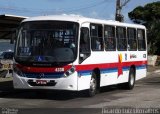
[{"x": 146, "y": 94}]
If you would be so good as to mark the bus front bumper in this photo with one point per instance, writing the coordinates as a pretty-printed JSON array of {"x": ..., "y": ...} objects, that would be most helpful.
[{"x": 63, "y": 83}]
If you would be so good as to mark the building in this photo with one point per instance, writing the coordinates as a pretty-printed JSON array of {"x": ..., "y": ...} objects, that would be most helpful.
[{"x": 8, "y": 25}]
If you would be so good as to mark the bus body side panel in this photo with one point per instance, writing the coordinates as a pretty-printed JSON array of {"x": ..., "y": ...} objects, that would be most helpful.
[
  {"x": 140, "y": 73},
  {"x": 123, "y": 67},
  {"x": 137, "y": 59},
  {"x": 83, "y": 81},
  {"x": 109, "y": 73},
  {"x": 113, "y": 70},
  {"x": 99, "y": 60},
  {"x": 141, "y": 70}
]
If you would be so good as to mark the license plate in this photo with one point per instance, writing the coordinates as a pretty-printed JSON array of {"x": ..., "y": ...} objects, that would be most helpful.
[{"x": 41, "y": 82}]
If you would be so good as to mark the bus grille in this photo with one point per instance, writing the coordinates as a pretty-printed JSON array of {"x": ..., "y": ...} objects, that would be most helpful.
[{"x": 43, "y": 75}]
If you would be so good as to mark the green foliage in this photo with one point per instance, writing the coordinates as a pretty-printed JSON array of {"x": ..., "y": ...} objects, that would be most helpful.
[{"x": 149, "y": 15}]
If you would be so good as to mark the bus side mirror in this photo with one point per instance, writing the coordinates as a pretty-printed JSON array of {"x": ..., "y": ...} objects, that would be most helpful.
[{"x": 81, "y": 55}]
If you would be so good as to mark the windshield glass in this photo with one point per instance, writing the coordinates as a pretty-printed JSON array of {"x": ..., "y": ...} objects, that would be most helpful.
[{"x": 47, "y": 41}]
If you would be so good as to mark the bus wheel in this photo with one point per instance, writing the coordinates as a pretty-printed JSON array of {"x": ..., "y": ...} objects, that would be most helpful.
[
  {"x": 131, "y": 82},
  {"x": 93, "y": 86}
]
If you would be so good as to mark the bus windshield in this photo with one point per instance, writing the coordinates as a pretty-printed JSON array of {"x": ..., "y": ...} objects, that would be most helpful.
[{"x": 47, "y": 41}]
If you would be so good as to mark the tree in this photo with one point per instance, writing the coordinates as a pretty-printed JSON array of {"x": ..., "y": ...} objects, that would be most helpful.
[{"x": 149, "y": 15}]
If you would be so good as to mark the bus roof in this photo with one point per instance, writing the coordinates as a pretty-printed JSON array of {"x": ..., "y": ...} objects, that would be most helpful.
[{"x": 81, "y": 19}]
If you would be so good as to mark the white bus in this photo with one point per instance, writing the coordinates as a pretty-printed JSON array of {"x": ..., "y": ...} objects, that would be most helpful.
[{"x": 66, "y": 52}]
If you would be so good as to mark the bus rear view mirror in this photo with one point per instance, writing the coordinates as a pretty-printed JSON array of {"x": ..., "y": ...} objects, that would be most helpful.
[{"x": 81, "y": 55}]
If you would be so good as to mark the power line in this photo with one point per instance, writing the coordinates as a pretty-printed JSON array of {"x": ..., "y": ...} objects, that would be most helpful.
[
  {"x": 124, "y": 3},
  {"x": 87, "y": 7},
  {"x": 37, "y": 11}
]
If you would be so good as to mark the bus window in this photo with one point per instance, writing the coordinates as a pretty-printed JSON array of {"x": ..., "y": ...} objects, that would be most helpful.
[
  {"x": 96, "y": 37},
  {"x": 84, "y": 44},
  {"x": 141, "y": 40},
  {"x": 132, "y": 40},
  {"x": 121, "y": 39},
  {"x": 109, "y": 38}
]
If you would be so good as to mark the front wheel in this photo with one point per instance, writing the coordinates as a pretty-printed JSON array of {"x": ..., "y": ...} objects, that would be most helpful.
[{"x": 93, "y": 86}]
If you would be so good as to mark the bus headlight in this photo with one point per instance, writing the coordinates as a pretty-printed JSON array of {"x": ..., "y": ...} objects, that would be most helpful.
[
  {"x": 70, "y": 71},
  {"x": 17, "y": 71}
]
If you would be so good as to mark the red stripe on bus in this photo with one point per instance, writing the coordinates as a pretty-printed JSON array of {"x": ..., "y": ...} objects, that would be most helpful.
[
  {"x": 43, "y": 69},
  {"x": 79, "y": 67},
  {"x": 109, "y": 65}
]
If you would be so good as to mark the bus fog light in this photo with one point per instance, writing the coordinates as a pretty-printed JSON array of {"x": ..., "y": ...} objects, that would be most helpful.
[{"x": 70, "y": 86}]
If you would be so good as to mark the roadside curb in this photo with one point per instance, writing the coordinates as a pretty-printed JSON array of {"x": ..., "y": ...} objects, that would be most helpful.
[{"x": 156, "y": 71}]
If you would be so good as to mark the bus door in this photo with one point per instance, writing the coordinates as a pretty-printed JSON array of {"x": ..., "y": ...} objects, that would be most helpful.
[{"x": 84, "y": 47}]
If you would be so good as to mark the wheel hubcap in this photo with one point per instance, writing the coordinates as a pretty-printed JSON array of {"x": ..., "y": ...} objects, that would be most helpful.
[
  {"x": 132, "y": 79},
  {"x": 93, "y": 85}
]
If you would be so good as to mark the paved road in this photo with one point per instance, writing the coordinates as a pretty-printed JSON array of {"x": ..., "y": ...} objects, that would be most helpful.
[{"x": 146, "y": 94}]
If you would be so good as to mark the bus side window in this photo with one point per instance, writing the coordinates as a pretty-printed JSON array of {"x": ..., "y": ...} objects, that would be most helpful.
[
  {"x": 96, "y": 37},
  {"x": 109, "y": 38},
  {"x": 84, "y": 44},
  {"x": 132, "y": 39},
  {"x": 121, "y": 38},
  {"x": 141, "y": 40}
]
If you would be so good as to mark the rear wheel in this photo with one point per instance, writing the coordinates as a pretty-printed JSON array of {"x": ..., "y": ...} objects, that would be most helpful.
[
  {"x": 93, "y": 86},
  {"x": 131, "y": 82}
]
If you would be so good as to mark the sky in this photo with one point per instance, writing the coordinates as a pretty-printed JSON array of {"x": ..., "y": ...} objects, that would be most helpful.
[{"x": 101, "y": 9}]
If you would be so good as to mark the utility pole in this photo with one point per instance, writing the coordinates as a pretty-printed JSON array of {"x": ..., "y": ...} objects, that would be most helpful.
[{"x": 119, "y": 6}]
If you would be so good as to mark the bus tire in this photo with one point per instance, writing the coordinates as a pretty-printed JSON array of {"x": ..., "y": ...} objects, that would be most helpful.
[
  {"x": 93, "y": 86},
  {"x": 131, "y": 81}
]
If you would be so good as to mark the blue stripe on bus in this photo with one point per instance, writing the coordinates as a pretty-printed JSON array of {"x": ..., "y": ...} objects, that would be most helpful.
[
  {"x": 126, "y": 68},
  {"x": 141, "y": 67},
  {"x": 85, "y": 72},
  {"x": 109, "y": 70},
  {"x": 88, "y": 72}
]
